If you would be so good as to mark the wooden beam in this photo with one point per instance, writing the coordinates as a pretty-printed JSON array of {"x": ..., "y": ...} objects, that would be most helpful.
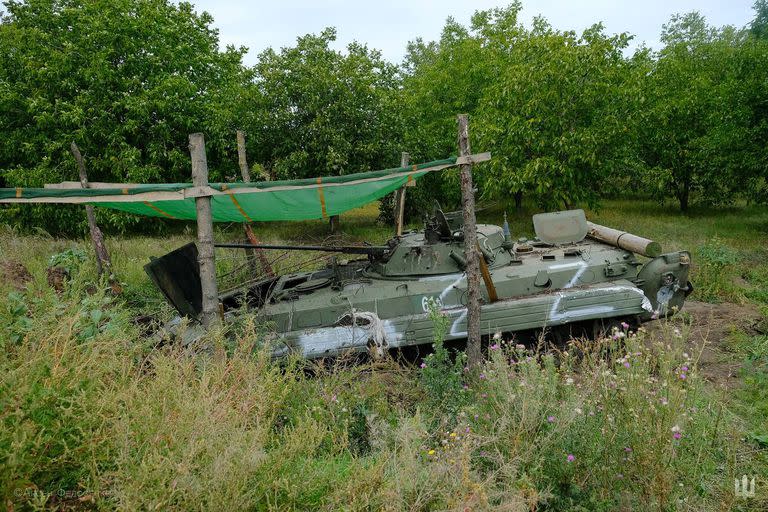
[
  {"x": 474, "y": 354},
  {"x": 253, "y": 254},
  {"x": 206, "y": 256},
  {"x": 103, "y": 261},
  {"x": 405, "y": 159}
]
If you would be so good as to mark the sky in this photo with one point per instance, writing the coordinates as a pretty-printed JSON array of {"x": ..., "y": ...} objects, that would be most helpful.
[{"x": 388, "y": 25}]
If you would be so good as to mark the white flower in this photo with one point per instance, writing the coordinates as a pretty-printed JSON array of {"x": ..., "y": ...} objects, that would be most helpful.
[
  {"x": 568, "y": 381},
  {"x": 676, "y": 428},
  {"x": 577, "y": 410},
  {"x": 497, "y": 336}
]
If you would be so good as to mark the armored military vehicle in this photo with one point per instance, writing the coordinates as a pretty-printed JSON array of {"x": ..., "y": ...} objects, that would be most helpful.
[{"x": 573, "y": 273}]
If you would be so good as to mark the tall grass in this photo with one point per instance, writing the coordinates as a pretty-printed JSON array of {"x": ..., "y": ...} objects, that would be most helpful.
[{"x": 91, "y": 417}]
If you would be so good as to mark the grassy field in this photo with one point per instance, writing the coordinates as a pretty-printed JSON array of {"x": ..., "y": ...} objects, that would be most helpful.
[{"x": 93, "y": 416}]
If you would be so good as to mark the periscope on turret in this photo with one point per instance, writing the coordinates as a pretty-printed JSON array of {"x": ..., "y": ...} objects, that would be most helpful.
[{"x": 573, "y": 277}]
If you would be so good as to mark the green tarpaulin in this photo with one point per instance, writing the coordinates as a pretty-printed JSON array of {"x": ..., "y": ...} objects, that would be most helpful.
[{"x": 312, "y": 198}]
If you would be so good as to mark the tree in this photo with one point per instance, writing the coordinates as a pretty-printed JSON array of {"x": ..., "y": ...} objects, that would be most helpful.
[
  {"x": 555, "y": 112},
  {"x": 127, "y": 80},
  {"x": 551, "y": 106},
  {"x": 319, "y": 111},
  {"x": 698, "y": 133}
]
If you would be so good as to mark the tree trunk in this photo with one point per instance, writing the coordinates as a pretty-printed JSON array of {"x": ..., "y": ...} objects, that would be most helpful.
[
  {"x": 519, "y": 201},
  {"x": 474, "y": 354},
  {"x": 684, "y": 194},
  {"x": 206, "y": 256},
  {"x": 103, "y": 261},
  {"x": 400, "y": 199}
]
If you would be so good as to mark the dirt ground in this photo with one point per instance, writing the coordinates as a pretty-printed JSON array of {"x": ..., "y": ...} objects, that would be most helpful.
[{"x": 711, "y": 327}]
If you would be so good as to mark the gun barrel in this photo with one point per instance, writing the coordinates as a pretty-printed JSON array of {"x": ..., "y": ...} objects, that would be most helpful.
[
  {"x": 624, "y": 240},
  {"x": 374, "y": 250}
]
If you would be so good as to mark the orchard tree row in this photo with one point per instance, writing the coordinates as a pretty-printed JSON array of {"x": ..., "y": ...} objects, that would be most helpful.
[{"x": 570, "y": 118}]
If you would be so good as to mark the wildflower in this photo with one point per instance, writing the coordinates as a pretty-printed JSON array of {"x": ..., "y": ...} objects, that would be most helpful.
[
  {"x": 550, "y": 419},
  {"x": 465, "y": 386},
  {"x": 619, "y": 476},
  {"x": 683, "y": 376},
  {"x": 570, "y": 457},
  {"x": 624, "y": 325},
  {"x": 568, "y": 381},
  {"x": 482, "y": 376},
  {"x": 466, "y": 430},
  {"x": 676, "y": 433},
  {"x": 495, "y": 346},
  {"x": 684, "y": 368},
  {"x": 484, "y": 395},
  {"x": 578, "y": 410},
  {"x": 627, "y": 449},
  {"x": 497, "y": 336},
  {"x": 664, "y": 401},
  {"x": 453, "y": 434},
  {"x": 431, "y": 452},
  {"x": 655, "y": 315},
  {"x": 423, "y": 365},
  {"x": 520, "y": 346},
  {"x": 677, "y": 333},
  {"x": 626, "y": 364},
  {"x": 334, "y": 399}
]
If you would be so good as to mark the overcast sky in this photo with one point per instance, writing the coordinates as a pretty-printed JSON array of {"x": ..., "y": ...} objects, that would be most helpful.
[{"x": 389, "y": 24}]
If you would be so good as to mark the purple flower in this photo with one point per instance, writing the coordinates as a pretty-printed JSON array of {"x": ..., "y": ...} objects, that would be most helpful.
[
  {"x": 624, "y": 325},
  {"x": 684, "y": 368},
  {"x": 423, "y": 365},
  {"x": 550, "y": 419},
  {"x": 683, "y": 376},
  {"x": 482, "y": 376},
  {"x": 677, "y": 435},
  {"x": 467, "y": 430},
  {"x": 626, "y": 364},
  {"x": 570, "y": 457},
  {"x": 495, "y": 346},
  {"x": 627, "y": 449}
]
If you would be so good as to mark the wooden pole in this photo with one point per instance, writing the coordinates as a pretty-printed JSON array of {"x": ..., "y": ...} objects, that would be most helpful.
[
  {"x": 400, "y": 198},
  {"x": 253, "y": 254},
  {"x": 103, "y": 261},
  {"x": 474, "y": 355},
  {"x": 206, "y": 258}
]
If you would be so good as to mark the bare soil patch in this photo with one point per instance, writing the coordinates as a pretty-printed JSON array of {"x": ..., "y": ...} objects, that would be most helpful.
[
  {"x": 15, "y": 273},
  {"x": 709, "y": 337}
]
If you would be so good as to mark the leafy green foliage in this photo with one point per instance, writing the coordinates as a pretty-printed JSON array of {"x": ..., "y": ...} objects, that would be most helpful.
[
  {"x": 442, "y": 375},
  {"x": 699, "y": 134},
  {"x": 323, "y": 112},
  {"x": 126, "y": 80}
]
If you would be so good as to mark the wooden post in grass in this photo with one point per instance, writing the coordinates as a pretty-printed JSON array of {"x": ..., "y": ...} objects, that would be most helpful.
[
  {"x": 206, "y": 257},
  {"x": 253, "y": 254},
  {"x": 474, "y": 355},
  {"x": 400, "y": 198},
  {"x": 103, "y": 261}
]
